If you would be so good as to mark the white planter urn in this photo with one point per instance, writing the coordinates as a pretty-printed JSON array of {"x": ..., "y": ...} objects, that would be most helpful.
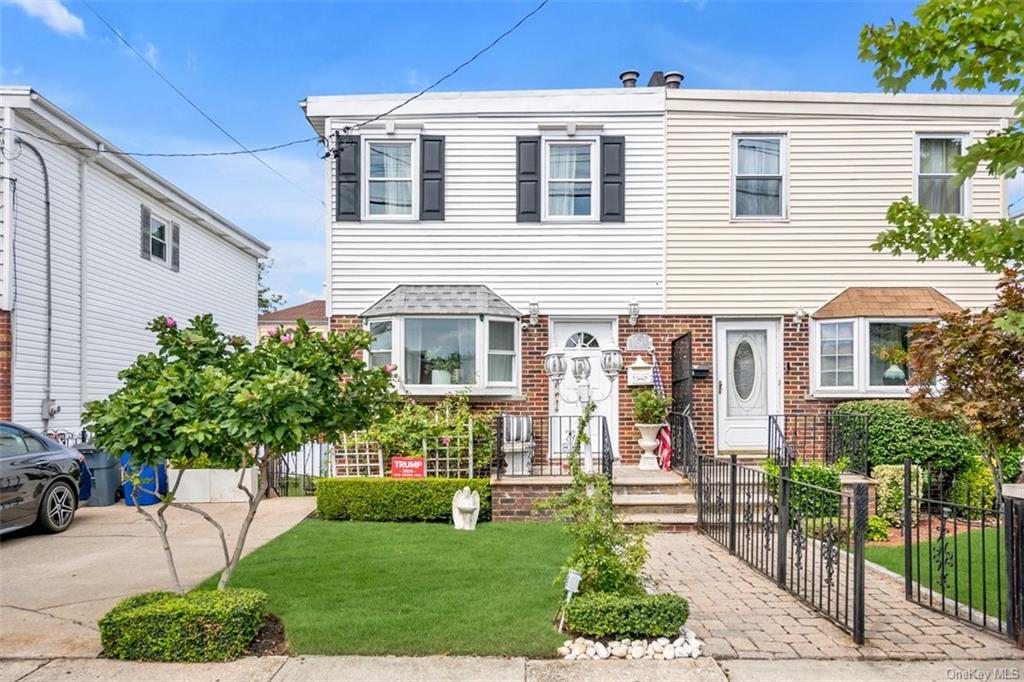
[
  {"x": 648, "y": 442},
  {"x": 440, "y": 376}
]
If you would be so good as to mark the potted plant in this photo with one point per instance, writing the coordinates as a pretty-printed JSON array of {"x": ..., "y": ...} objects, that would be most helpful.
[
  {"x": 446, "y": 369},
  {"x": 649, "y": 412},
  {"x": 897, "y": 356}
]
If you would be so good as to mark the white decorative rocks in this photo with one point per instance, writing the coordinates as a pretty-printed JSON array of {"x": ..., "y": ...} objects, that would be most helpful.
[{"x": 663, "y": 649}]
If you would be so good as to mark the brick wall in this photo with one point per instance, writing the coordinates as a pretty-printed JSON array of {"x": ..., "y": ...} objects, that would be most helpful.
[
  {"x": 515, "y": 500},
  {"x": 6, "y": 343}
]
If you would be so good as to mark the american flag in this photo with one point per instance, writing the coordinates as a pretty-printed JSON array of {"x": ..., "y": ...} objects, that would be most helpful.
[{"x": 659, "y": 385}]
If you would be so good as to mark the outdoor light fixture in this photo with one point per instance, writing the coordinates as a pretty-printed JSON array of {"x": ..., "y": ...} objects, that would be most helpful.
[
  {"x": 534, "y": 313},
  {"x": 634, "y": 313},
  {"x": 611, "y": 362},
  {"x": 555, "y": 365},
  {"x": 799, "y": 317},
  {"x": 581, "y": 368}
]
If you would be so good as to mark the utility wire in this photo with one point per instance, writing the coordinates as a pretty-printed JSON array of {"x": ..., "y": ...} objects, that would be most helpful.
[
  {"x": 83, "y": 148},
  {"x": 185, "y": 97},
  {"x": 451, "y": 73}
]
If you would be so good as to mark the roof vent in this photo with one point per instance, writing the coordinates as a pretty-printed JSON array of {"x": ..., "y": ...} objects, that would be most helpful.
[
  {"x": 657, "y": 80},
  {"x": 673, "y": 79},
  {"x": 629, "y": 78}
]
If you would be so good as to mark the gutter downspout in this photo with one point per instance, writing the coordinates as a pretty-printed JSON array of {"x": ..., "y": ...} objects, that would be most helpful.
[
  {"x": 83, "y": 328},
  {"x": 49, "y": 409}
]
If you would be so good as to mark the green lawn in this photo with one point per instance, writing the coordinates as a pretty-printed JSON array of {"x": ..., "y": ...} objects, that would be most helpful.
[
  {"x": 347, "y": 587},
  {"x": 986, "y": 589}
]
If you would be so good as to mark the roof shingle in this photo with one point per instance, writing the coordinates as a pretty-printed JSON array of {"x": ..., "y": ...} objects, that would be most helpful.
[
  {"x": 887, "y": 302},
  {"x": 311, "y": 311},
  {"x": 441, "y": 299}
]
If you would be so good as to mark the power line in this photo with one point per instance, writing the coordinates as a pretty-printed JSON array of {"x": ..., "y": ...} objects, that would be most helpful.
[
  {"x": 189, "y": 100},
  {"x": 454, "y": 71},
  {"x": 83, "y": 148}
]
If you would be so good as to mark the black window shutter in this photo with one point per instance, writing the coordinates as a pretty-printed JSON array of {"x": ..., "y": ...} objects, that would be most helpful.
[
  {"x": 613, "y": 179},
  {"x": 527, "y": 179},
  {"x": 144, "y": 245},
  {"x": 175, "y": 245},
  {"x": 346, "y": 178},
  {"x": 431, "y": 178}
]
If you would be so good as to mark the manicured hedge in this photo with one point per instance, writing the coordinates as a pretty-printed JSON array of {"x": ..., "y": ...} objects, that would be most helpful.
[
  {"x": 804, "y": 500},
  {"x": 895, "y": 433},
  {"x": 606, "y": 614},
  {"x": 207, "y": 625},
  {"x": 889, "y": 493},
  {"x": 388, "y": 499}
]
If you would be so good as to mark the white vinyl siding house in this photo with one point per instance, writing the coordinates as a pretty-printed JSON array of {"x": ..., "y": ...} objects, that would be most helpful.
[
  {"x": 570, "y": 263},
  {"x": 104, "y": 292},
  {"x": 844, "y": 159}
]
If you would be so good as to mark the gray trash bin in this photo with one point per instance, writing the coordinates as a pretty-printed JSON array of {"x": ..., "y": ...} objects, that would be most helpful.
[{"x": 106, "y": 475}]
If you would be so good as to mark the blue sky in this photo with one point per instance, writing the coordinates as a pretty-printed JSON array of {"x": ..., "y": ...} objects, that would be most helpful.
[{"x": 249, "y": 63}]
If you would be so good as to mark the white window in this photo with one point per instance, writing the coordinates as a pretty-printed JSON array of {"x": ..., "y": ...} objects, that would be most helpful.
[
  {"x": 759, "y": 181},
  {"x": 158, "y": 249},
  {"x": 861, "y": 357},
  {"x": 570, "y": 179},
  {"x": 390, "y": 181},
  {"x": 937, "y": 189},
  {"x": 436, "y": 355},
  {"x": 380, "y": 347}
]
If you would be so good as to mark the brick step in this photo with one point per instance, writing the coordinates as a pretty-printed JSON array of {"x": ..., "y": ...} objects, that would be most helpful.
[
  {"x": 680, "y": 503},
  {"x": 672, "y": 523}
]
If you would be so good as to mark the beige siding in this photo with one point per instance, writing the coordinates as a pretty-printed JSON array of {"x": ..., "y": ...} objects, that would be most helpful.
[{"x": 847, "y": 162}]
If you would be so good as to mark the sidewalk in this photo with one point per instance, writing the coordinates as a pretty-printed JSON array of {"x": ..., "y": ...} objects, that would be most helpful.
[{"x": 451, "y": 669}]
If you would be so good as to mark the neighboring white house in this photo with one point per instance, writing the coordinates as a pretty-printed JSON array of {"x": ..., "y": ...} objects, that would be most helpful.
[{"x": 117, "y": 246}]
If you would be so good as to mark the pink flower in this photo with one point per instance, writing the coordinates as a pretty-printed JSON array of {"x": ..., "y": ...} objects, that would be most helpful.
[
  {"x": 171, "y": 324},
  {"x": 287, "y": 338},
  {"x": 446, "y": 440},
  {"x": 390, "y": 368},
  {"x": 274, "y": 332}
]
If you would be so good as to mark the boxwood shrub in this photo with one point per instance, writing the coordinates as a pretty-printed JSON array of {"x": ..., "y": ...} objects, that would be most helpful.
[
  {"x": 889, "y": 491},
  {"x": 207, "y": 625},
  {"x": 607, "y": 614},
  {"x": 807, "y": 501},
  {"x": 389, "y": 499},
  {"x": 896, "y": 433}
]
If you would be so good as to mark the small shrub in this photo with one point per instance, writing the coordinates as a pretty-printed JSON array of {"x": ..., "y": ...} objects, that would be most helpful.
[
  {"x": 878, "y": 529},
  {"x": 605, "y": 614},
  {"x": 649, "y": 407},
  {"x": 194, "y": 627},
  {"x": 894, "y": 433},
  {"x": 973, "y": 488},
  {"x": 806, "y": 501},
  {"x": 388, "y": 499},
  {"x": 889, "y": 491}
]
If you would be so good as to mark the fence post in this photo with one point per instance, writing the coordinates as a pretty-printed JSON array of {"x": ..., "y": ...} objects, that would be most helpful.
[
  {"x": 908, "y": 555},
  {"x": 860, "y": 527},
  {"x": 471, "y": 470},
  {"x": 783, "y": 529},
  {"x": 700, "y": 493},
  {"x": 732, "y": 503},
  {"x": 1013, "y": 534}
]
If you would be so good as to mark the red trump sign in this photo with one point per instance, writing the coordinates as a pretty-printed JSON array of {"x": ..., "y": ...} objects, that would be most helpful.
[{"x": 408, "y": 467}]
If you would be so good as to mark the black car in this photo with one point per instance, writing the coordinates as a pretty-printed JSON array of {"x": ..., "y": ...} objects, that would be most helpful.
[{"x": 39, "y": 481}]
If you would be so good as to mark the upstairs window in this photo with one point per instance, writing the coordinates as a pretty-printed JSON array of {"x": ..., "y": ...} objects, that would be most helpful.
[
  {"x": 157, "y": 239},
  {"x": 937, "y": 189},
  {"x": 759, "y": 176},
  {"x": 570, "y": 179},
  {"x": 390, "y": 179}
]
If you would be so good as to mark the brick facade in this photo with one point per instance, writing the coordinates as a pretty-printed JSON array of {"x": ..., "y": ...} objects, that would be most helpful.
[
  {"x": 515, "y": 500},
  {"x": 6, "y": 344},
  {"x": 662, "y": 329}
]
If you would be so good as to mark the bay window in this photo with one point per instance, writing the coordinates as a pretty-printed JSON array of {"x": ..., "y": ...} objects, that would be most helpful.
[
  {"x": 860, "y": 357},
  {"x": 436, "y": 354}
]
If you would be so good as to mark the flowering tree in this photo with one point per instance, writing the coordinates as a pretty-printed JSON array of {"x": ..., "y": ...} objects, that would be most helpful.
[{"x": 204, "y": 399}]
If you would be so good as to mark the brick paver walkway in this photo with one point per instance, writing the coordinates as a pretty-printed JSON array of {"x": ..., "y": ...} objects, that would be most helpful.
[{"x": 740, "y": 613}]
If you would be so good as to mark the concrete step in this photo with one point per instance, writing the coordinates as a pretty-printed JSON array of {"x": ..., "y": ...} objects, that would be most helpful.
[
  {"x": 681, "y": 488},
  {"x": 675, "y": 522},
  {"x": 657, "y": 503}
]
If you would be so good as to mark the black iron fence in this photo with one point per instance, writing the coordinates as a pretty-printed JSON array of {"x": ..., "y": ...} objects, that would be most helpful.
[
  {"x": 295, "y": 474},
  {"x": 528, "y": 446},
  {"x": 808, "y": 539},
  {"x": 827, "y": 438},
  {"x": 962, "y": 551},
  {"x": 685, "y": 445}
]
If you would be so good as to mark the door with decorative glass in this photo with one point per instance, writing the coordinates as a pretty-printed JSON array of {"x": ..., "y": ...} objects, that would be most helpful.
[{"x": 747, "y": 383}]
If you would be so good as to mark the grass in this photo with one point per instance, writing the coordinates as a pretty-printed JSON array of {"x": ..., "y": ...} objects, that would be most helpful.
[
  {"x": 347, "y": 587},
  {"x": 986, "y": 590}
]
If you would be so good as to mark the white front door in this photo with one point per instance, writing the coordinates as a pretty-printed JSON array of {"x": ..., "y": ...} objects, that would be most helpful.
[
  {"x": 579, "y": 338},
  {"x": 747, "y": 382}
]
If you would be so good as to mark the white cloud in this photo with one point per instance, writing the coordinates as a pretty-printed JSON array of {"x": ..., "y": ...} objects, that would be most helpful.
[
  {"x": 149, "y": 52},
  {"x": 54, "y": 14}
]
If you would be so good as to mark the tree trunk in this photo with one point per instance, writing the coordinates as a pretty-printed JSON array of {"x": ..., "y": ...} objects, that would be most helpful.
[
  {"x": 161, "y": 529},
  {"x": 254, "y": 503}
]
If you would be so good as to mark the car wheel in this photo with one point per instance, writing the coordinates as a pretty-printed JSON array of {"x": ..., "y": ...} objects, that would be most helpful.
[{"x": 58, "y": 507}]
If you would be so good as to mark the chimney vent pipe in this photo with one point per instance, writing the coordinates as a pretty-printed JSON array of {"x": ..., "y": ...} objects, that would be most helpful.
[
  {"x": 629, "y": 78},
  {"x": 673, "y": 79}
]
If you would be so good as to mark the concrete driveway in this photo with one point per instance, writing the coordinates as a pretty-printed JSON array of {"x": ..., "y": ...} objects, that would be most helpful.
[{"x": 54, "y": 588}]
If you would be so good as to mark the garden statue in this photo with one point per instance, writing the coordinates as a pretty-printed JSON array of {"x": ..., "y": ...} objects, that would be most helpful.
[{"x": 465, "y": 508}]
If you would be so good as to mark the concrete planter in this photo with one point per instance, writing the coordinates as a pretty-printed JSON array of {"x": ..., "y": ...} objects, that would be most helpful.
[
  {"x": 212, "y": 485},
  {"x": 648, "y": 442}
]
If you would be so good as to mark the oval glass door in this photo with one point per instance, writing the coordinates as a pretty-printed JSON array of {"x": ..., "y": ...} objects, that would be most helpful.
[{"x": 747, "y": 394}]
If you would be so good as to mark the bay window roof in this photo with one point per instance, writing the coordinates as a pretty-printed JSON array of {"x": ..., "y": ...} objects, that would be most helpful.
[
  {"x": 904, "y": 302},
  {"x": 441, "y": 299}
]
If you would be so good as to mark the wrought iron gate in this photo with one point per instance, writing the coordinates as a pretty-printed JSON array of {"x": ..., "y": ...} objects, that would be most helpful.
[{"x": 682, "y": 374}]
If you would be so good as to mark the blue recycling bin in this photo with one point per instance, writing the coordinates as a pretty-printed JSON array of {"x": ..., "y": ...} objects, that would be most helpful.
[{"x": 150, "y": 478}]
